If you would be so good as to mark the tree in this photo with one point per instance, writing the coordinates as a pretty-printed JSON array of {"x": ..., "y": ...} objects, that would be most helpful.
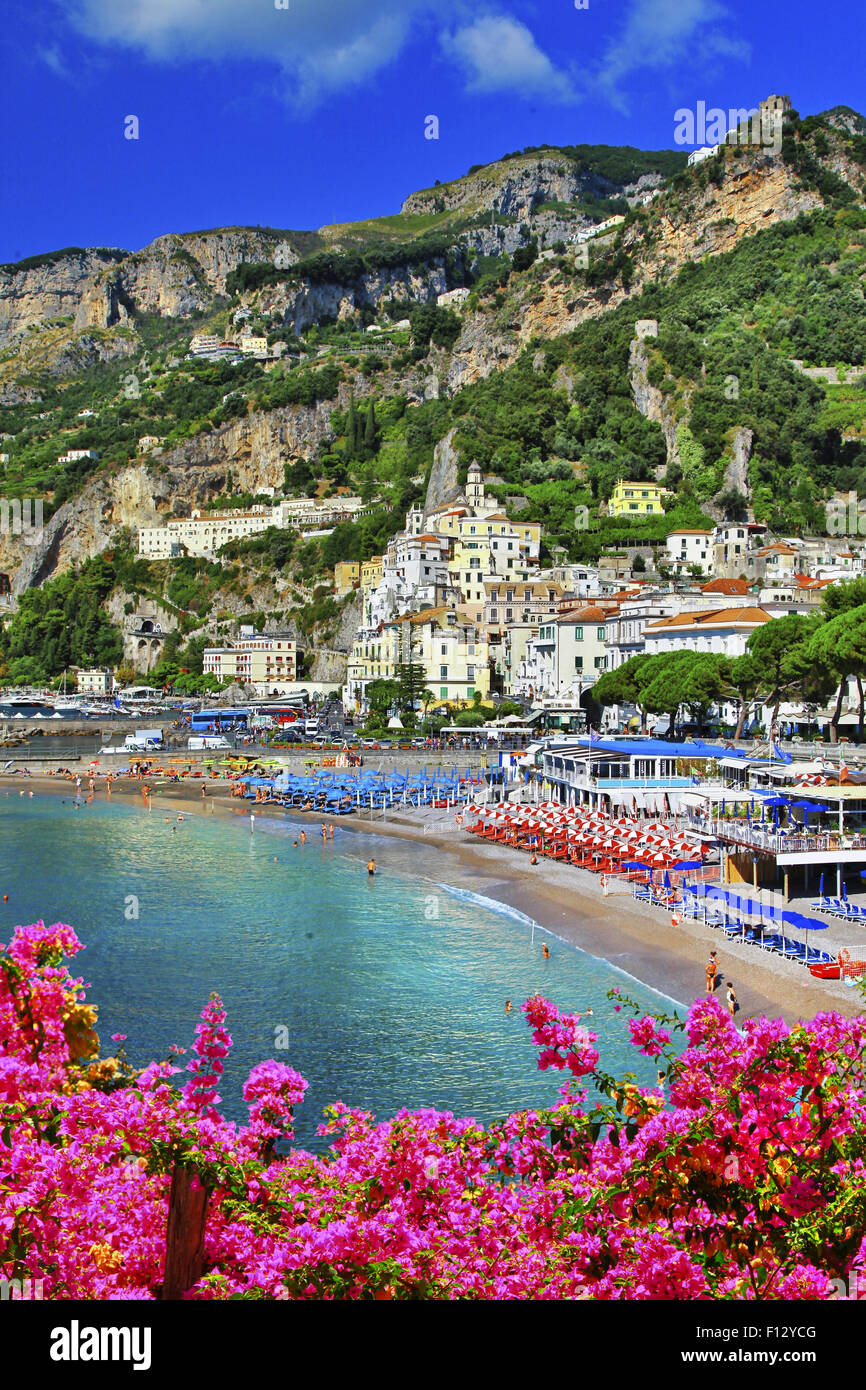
[
  {"x": 745, "y": 681},
  {"x": 839, "y": 646},
  {"x": 524, "y": 256},
  {"x": 776, "y": 647}
]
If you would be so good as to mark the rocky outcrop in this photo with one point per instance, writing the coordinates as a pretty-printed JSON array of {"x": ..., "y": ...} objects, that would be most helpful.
[
  {"x": 736, "y": 477},
  {"x": 302, "y": 304},
  {"x": 32, "y": 294},
  {"x": 255, "y": 449},
  {"x": 443, "y": 475},
  {"x": 511, "y": 187},
  {"x": 664, "y": 410}
]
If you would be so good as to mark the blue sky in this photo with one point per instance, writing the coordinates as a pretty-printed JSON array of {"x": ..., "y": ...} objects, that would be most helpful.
[{"x": 314, "y": 112}]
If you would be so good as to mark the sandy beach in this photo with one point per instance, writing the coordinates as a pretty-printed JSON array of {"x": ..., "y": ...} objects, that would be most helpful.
[{"x": 565, "y": 902}]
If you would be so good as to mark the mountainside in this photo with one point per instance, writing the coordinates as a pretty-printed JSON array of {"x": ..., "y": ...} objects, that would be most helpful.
[{"x": 750, "y": 266}]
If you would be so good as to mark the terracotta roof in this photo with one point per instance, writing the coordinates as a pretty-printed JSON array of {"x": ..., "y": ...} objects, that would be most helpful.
[
  {"x": 715, "y": 617},
  {"x": 725, "y": 586},
  {"x": 592, "y": 613}
]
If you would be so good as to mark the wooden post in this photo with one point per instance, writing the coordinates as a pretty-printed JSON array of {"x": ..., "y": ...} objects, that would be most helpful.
[
  {"x": 184, "y": 1242},
  {"x": 787, "y": 898}
]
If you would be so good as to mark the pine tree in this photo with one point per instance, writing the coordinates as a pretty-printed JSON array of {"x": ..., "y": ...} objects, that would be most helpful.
[{"x": 353, "y": 433}]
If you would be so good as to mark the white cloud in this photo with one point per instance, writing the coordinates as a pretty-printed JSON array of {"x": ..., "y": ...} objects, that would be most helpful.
[
  {"x": 499, "y": 54},
  {"x": 53, "y": 59},
  {"x": 662, "y": 33},
  {"x": 320, "y": 46}
]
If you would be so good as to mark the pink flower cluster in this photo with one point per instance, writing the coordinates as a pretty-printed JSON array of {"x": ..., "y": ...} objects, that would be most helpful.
[{"x": 749, "y": 1182}]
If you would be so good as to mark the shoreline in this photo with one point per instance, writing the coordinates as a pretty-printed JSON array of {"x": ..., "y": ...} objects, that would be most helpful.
[{"x": 563, "y": 901}]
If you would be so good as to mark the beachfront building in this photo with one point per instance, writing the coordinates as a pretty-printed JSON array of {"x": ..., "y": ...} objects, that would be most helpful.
[
  {"x": 262, "y": 659},
  {"x": 627, "y": 775},
  {"x": 96, "y": 682},
  {"x": 630, "y": 499}
]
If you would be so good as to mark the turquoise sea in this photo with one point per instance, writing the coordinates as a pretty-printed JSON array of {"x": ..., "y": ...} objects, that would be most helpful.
[{"x": 389, "y": 992}]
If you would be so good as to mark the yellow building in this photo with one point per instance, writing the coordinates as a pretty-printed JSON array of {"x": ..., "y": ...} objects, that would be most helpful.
[
  {"x": 371, "y": 572},
  {"x": 638, "y": 499},
  {"x": 507, "y": 539},
  {"x": 449, "y": 647},
  {"x": 478, "y": 559},
  {"x": 347, "y": 574}
]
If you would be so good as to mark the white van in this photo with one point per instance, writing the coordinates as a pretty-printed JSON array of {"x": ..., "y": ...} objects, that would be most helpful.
[
  {"x": 143, "y": 741},
  {"x": 311, "y": 727},
  {"x": 199, "y": 741}
]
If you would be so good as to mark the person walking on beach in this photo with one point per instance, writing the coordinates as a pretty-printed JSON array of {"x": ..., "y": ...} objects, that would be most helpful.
[
  {"x": 324, "y": 834},
  {"x": 330, "y": 832},
  {"x": 303, "y": 837},
  {"x": 710, "y": 970},
  {"x": 733, "y": 1003}
]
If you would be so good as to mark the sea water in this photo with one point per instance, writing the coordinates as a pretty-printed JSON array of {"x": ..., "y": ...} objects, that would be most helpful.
[{"x": 383, "y": 992}]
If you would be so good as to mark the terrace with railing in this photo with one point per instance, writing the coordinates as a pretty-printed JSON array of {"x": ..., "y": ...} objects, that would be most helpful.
[{"x": 781, "y": 841}]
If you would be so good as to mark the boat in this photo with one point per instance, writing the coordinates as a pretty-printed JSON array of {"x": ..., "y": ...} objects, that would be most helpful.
[
  {"x": 826, "y": 970},
  {"x": 25, "y": 707}
]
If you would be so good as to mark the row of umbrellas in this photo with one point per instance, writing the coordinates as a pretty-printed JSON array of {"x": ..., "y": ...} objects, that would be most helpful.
[{"x": 636, "y": 845}]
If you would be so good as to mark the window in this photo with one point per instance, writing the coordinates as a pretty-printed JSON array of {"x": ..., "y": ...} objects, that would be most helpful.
[
  {"x": 443, "y": 692},
  {"x": 598, "y": 662},
  {"x": 578, "y": 634},
  {"x": 470, "y": 691},
  {"x": 443, "y": 673},
  {"x": 494, "y": 615},
  {"x": 470, "y": 674},
  {"x": 578, "y": 663},
  {"x": 444, "y": 649},
  {"x": 599, "y": 632}
]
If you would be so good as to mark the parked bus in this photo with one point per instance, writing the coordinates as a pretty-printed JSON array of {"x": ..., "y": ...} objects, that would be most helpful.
[
  {"x": 217, "y": 721},
  {"x": 280, "y": 714}
]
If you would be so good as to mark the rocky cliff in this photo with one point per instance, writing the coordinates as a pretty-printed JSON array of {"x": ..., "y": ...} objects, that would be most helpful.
[
  {"x": 511, "y": 187},
  {"x": 255, "y": 449}
]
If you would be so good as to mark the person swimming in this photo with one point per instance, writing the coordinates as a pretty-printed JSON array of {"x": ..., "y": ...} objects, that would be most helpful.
[
  {"x": 508, "y": 1006},
  {"x": 545, "y": 953}
]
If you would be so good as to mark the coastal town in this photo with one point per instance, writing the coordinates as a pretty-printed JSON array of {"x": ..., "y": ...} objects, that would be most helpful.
[{"x": 433, "y": 673}]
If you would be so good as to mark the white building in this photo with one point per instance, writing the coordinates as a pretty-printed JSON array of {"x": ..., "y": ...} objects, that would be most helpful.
[
  {"x": 203, "y": 533},
  {"x": 451, "y": 298},
  {"x": 253, "y": 659},
  {"x": 724, "y": 631},
  {"x": 566, "y": 656},
  {"x": 688, "y": 547},
  {"x": 73, "y": 455},
  {"x": 98, "y": 682}
]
